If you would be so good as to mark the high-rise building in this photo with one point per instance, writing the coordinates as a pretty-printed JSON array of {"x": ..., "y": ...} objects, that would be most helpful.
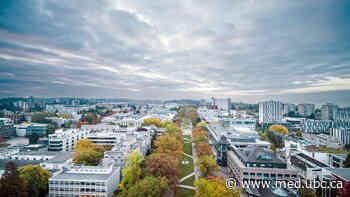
[
  {"x": 288, "y": 108},
  {"x": 343, "y": 114},
  {"x": 222, "y": 103},
  {"x": 328, "y": 111},
  {"x": 270, "y": 111},
  {"x": 306, "y": 109}
]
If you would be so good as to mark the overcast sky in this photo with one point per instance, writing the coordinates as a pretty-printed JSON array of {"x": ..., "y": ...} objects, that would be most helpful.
[{"x": 294, "y": 51}]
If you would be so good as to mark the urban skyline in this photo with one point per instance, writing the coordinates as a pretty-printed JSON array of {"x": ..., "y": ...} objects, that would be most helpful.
[{"x": 295, "y": 52}]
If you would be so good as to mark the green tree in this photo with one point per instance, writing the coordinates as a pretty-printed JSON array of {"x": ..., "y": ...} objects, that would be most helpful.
[
  {"x": 148, "y": 187},
  {"x": 347, "y": 161},
  {"x": 40, "y": 117},
  {"x": 207, "y": 165},
  {"x": 11, "y": 185},
  {"x": 35, "y": 179},
  {"x": 299, "y": 134},
  {"x": 132, "y": 171}
]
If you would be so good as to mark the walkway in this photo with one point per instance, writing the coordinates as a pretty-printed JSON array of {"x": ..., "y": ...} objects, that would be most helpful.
[
  {"x": 187, "y": 187},
  {"x": 186, "y": 177},
  {"x": 188, "y": 155}
]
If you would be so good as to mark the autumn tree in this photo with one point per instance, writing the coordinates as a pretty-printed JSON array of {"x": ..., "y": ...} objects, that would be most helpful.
[
  {"x": 169, "y": 144},
  {"x": 215, "y": 187},
  {"x": 299, "y": 134},
  {"x": 86, "y": 153},
  {"x": 152, "y": 121},
  {"x": 207, "y": 165},
  {"x": 163, "y": 165},
  {"x": 149, "y": 186},
  {"x": 306, "y": 192},
  {"x": 35, "y": 179},
  {"x": 11, "y": 184},
  {"x": 132, "y": 171},
  {"x": 203, "y": 149},
  {"x": 172, "y": 128},
  {"x": 273, "y": 148},
  {"x": 279, "y": 128}
]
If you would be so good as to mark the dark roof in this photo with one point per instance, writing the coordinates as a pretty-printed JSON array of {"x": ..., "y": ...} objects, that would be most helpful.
[
  {"x": 256, "y": 154},
  {"x": 299, "y": 163},
  {"x": 308, "y": 158}
]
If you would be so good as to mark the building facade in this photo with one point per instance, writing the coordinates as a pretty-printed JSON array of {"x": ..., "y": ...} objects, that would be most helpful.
[{"x": 270, "y": 111}]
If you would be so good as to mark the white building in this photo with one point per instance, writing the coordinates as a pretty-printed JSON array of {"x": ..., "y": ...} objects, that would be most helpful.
[
  {"x": 100, "y": 180},
  {"x": 65, "y": 140},
  {"x": 270, "y": 111}
]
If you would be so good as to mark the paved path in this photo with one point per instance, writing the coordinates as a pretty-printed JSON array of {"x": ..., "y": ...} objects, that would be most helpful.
[
  {"x": 186, "y": 177},
  {"x": 196, "y": 170},
  {"x": 188, "y": 155},
  {"x": 188, "y": 187}
]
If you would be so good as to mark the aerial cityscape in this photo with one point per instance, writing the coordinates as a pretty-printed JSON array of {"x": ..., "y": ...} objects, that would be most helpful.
[{"x": 132, "y": 98}]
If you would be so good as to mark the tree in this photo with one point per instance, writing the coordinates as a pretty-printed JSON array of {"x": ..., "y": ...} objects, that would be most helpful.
[
  {"x": 201, "y": 124},
  {"x": 215, "y": 187},
  {"x": 78, "y": 124},
  {"x": 279, "y": 128},
  {"x": 299, "y": 134},
  {"x": 33, "y": 138},
  {"x": 40, "y": 117},
  {"x": 132, "y": 171},
  {"x": 273, "y": 148},
  {"x": 169, "y": 144},
  {"x": 207, "y": 165},
  {"x": 306, "y": 192},
  {"x": 347, "y": 161},
  {"x": 203, "y": 149},
  {"x": 35, "y": 179},
  {"x": 88, "y": 154},
  {"x": 148, "y": 186},
  {"x": 163, "y": 165},
  {"x": 11, "y": 184},
  {"x": 172, "y": 128}
]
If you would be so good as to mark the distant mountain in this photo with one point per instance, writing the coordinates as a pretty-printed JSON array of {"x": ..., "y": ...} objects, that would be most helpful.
[{"x": 183, "y": 101}]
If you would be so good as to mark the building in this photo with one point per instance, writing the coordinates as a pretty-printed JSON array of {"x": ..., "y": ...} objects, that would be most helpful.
[
  {"x": 288, "y": 108},
  {"x": 306, "y": 109},
  {"x": 7, "y": 130},
  {"x": 341, "y": 133},
  {"x": 329, "y": 111},
  {"x": 65, "y": 140},
  {"x": 343, "y": 114},
  {"x": 336, "y": 160},
  {"x": 100, "y": 180},
  {"x": 223, "y": 104},
  {"x": 257, "y": 163},
  {"x": 27, "y": 129},
  {"x": 316, "y": 126},
  {"x": 270, "y": 111}
]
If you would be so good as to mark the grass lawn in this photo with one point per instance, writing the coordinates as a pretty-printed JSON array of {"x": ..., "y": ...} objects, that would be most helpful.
[
  {"x": 188, "y": 168},
  {"x": 325, "y": 149},
  {"x": 189, "y": 181},
  {"x": 182, "y": 192},
  {"x": 188, "y": 146}
]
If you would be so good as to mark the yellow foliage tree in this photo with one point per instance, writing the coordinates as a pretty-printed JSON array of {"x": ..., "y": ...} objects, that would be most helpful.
[
  {"x": 207, "y": 165},
  {"x": 169, "y": 144},
  {"x": 279, "y": 128},
  {"x": 215, "y": 187},
  {"x": 86, "y": 153}
]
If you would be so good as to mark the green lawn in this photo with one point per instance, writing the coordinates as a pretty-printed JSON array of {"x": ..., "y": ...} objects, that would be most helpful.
[
  {"x": 189, "y": 181},
  {"x": 188, "y": 168},
  {"x": 182, "y": 192},
  {"x": 187, "y": 146},
  {"x": 325, "y": 149}
]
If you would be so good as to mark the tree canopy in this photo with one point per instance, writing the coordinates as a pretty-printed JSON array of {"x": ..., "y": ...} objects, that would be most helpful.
[
  {"x": 11, "y": 184},
  {"x": 132, "y": 171},
  {"x": 35, "y": 179},
  {"x": 279, "y": 128},
  {"x": 207, "y": 165},
  {"x": 215, "y": 187},
  {"x": 86, "y": 153}
]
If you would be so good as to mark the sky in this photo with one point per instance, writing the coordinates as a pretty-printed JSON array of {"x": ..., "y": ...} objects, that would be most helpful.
[{"x": 252, "y": 50}]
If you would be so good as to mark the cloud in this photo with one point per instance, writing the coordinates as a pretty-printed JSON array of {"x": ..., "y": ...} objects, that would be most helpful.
[{"x": 248, "y": 50}]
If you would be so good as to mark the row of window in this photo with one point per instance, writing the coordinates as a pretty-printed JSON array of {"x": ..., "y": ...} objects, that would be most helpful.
[
  {"x": 271, "y": 175},
  {"x": 77, "y": 183},
  {"x": 65, "y": 189}
]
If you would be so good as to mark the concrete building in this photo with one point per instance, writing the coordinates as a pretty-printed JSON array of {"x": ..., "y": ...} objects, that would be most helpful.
[
  {"x": 223, "y": 104},
  {"x": 336, "y": 160},
  {"x": 306, "y": 109},
  {"x": 270, "y": 111},
  {"x": 288, "y": 108},
  {"x": 257, "y": 163},
  {"x": 329, "y": 111},
  {"x": 343, "y": 114},
  {"x": 65, "y": 140},
  {"x": 100, "y": 181}
]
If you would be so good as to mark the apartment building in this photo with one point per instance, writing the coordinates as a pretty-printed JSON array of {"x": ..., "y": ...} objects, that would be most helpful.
[{"x": 65, "y": 140}]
